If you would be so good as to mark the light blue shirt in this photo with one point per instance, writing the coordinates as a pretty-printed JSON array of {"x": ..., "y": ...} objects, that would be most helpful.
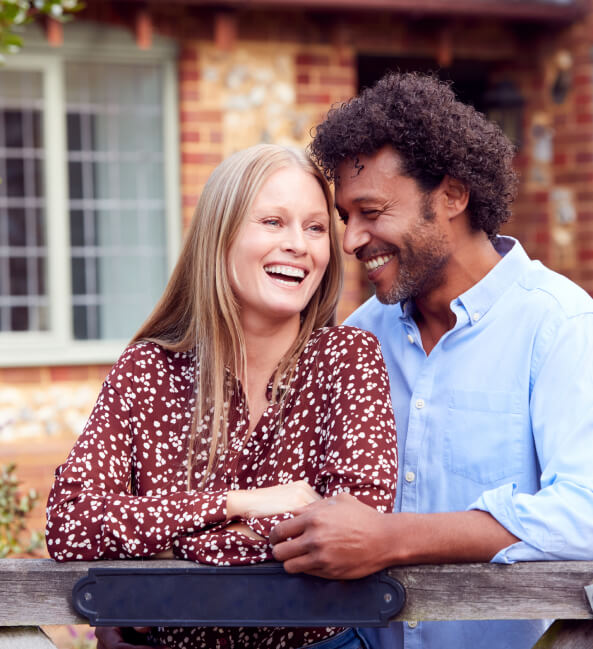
[{"x": 498, "y": 417}]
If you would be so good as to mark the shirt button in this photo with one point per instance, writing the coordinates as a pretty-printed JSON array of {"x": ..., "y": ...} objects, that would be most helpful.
[
  {"x": 419, "y": 403},
  {"x": 476, "y": 316},
  {"x": 410, "y": 476},
  {"x": 412, "y": 624},
  {"x": 411, "y": 338}
]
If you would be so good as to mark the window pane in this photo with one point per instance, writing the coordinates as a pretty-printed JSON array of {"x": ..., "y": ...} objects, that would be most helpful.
[
  {"x": 23, "y": 253},
  {"x": 117, "y": 201}
]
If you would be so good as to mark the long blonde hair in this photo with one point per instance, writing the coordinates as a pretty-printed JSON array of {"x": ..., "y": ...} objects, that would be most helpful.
[{"x": 198, "y": 312}]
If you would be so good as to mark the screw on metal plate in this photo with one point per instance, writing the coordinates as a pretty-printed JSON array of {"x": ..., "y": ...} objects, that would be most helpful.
[
  {"x": 388, "y": 597},
  {"x": 88, "y": 596},
  {"x": 589, "y": 593}
]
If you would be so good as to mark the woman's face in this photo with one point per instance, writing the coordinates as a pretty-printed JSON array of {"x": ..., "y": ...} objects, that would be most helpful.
[{"x": 282, "y": 248}]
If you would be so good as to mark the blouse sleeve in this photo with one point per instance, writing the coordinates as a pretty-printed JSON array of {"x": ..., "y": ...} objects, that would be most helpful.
[
  {"x": 91, "y": 512},
  {"x": 359, "y": 428}
]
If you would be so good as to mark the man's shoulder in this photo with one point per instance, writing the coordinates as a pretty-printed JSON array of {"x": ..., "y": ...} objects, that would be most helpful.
[
  {"x": 556, "y": 291},
  {"x": 374, "y": 316}
]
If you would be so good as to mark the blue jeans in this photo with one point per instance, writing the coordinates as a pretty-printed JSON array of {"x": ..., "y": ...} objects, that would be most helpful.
[{"x": 349, "y": 639}]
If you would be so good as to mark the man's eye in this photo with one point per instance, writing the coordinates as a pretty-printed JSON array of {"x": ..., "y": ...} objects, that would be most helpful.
[{"x": 369, "y": 212}]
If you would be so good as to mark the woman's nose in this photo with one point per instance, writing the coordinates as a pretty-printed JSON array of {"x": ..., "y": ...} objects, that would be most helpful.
[{"x": 294, "y": 241}]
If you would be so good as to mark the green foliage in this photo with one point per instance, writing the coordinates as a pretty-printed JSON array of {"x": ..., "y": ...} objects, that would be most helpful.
[
  {"x": 14, "y": 14},
  {"x": 14, "y": 508}
]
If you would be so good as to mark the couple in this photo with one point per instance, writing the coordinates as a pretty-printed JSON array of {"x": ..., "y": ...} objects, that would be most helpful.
[{"x": 490, "y": 361}]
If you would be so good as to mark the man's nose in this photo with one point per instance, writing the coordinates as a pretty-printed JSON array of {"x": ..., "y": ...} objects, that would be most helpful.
[{"x": 355, "y": 235}]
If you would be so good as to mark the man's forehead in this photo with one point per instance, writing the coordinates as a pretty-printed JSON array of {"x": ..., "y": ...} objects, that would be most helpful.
[{"x": 384, "y": 161}]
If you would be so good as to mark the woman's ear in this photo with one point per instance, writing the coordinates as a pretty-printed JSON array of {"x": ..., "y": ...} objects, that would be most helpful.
[{"x": 454, "y": 196}]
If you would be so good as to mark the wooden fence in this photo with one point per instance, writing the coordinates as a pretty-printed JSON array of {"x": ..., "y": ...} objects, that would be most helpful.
[{"x": 36, "y": 592}]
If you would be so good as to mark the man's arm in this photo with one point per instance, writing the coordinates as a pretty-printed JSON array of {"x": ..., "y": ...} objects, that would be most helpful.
[{"x": 341, "y": 538}]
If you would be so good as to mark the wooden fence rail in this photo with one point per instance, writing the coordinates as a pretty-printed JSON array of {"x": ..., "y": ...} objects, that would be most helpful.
[{"x": 37, "y": 592}]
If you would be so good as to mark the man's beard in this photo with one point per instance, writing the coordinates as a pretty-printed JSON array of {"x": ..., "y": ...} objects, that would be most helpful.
[{"x": 421, "y": 260}]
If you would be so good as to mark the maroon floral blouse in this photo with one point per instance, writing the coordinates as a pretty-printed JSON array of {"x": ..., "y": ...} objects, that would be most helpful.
[{"x": 122, "y": 491}]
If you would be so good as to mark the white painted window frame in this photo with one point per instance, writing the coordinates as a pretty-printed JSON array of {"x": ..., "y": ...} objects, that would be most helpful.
[{"x": 92, "y": 42}]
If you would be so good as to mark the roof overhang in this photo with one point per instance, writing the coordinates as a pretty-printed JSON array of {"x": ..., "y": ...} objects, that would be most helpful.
[{"x": 538, "y": 10}]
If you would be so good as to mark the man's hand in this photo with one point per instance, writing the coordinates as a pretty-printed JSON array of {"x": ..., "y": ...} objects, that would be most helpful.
[
  {"x": 334, "y": 538},
  {"x": 111, "y": 637}
]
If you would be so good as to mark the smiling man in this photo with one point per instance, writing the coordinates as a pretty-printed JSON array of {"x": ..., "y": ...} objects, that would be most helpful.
[{"x": 490, "y": 357}]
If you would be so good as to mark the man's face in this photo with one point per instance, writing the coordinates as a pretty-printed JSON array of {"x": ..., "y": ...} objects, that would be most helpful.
[{"x": 391, "y": 227}]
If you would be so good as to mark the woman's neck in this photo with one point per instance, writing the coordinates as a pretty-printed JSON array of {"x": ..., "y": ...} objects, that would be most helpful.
[{"x": 265, "y": 345}]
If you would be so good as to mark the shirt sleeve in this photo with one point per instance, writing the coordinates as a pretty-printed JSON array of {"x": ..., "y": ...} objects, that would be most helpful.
[
  {"x": 359, "y": 429},
  {"x": 360, "y": 437},
  {"x": 91, "y": 512},
  {"x": 556, "y": 522}
]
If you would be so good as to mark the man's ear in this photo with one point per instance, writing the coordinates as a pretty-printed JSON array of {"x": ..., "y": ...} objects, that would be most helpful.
[{"x": 453, "y": 196}]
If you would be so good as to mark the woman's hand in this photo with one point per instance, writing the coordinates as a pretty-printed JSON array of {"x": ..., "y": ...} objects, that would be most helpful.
[
  {"x": 241, "y": 528},
  {"x": 269, "y": 501}
]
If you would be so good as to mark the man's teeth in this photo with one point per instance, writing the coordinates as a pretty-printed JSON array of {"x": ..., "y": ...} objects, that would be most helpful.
[
  {"x": 289, "y": 271},
  {"x": 375, "y": 262}
]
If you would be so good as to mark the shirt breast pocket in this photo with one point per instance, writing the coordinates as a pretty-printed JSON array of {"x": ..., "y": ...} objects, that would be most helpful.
[{"x": 483, "y": 436}]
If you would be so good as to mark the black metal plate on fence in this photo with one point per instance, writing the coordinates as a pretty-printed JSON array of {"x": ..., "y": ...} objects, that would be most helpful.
[{"x": 262, "y": 595}]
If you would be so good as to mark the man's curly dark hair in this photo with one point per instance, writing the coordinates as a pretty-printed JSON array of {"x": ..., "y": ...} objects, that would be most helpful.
[{"x": 433, "y": 133}]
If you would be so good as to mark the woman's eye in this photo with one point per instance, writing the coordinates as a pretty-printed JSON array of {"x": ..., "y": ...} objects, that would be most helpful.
[
  {"x": 271, "y": 221},
  {"x": 317, "y": 227}
]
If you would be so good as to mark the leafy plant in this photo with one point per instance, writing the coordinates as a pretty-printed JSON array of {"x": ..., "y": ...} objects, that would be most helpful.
[
  {"x": 16, "y": 13},
  {"x": 14, "y": 508}
]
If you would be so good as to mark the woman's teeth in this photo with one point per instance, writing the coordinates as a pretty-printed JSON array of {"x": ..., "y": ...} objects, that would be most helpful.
[
  {"x": 288, "y": 275},
  {"x": 375, "y": 262}
]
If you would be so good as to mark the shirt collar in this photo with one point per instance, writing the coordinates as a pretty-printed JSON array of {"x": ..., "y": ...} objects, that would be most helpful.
[{"x": 478, "y": 300}]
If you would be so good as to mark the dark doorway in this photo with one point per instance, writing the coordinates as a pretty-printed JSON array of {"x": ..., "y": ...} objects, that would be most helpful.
[{"x": 470, "y": 78}]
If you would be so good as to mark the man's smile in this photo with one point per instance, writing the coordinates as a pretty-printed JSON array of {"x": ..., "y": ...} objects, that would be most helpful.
[{"x": 376, "y": 262}]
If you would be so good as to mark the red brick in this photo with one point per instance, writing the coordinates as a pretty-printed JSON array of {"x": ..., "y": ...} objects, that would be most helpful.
[
  {"x": 188, "y": 53},
  {"x": 560, "y": 120},
  {"x": 20, "y": 375},
  {"x": 69, "y": 373},
  {"x": 542, "y": 237},
  {"x": 312, "y": 98},
  {"x": 209, "y": 116},
  {"x": 560, "y": 159},
  {"x": 216, "y": 137},
  {"x": 190, "y": 136},
  {"x": 540, "y": 197},
  {"x": 312, "y": 59},
  {"x": 189, "y": 75},
  {"x": 189, "y": 116},
  {"x": 303, "y": 78},
  {"x": 189, "y": 93},
  {"x": 584, "y": 118},
  {"x": 334, "y": 80},
  {"x": 582, "y": 79},
  {"x": 584, "y": 216},
  {"x": 190, "y": 201},
  {"x": 201, "y": 158},
  {"x": 583, "y": 99},
  {"x": 584, "y": 157},
  {"x": 585, "y": 196},
  {"x": 585, "y": 255},
  {"x": 569, "y": 178}
]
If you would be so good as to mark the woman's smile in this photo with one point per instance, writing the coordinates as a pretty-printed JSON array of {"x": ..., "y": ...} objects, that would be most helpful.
[{"x": 281, "y": 251}]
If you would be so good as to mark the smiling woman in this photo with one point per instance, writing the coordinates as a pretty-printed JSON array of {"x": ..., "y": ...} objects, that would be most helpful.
[{"x": 235, "y": 404}]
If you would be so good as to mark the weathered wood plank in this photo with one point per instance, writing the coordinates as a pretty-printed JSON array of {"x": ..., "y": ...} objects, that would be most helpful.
[
  {"x": 530, "y": 590},
  {"x": 567, "y": 634},
  {"x": 37, "y": 591},
  {"x": 24, "y": 637}
]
